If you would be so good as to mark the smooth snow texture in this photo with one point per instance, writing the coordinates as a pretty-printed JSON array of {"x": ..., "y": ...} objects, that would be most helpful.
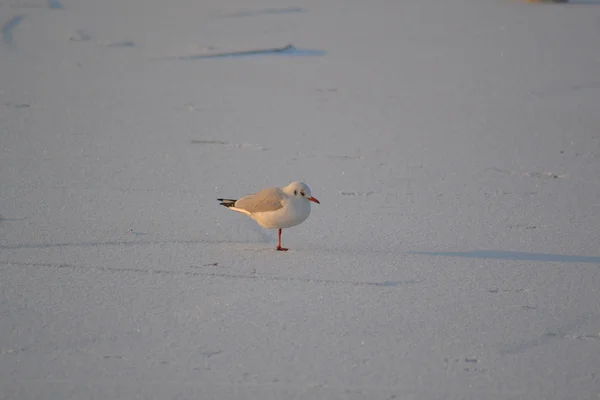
[{"x": 454, "y": 146}]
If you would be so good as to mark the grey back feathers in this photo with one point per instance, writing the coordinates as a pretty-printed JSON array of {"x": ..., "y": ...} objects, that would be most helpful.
[{"x": 269, "y": 199}]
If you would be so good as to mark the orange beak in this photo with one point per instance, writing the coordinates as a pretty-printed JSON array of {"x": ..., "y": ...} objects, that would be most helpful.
[{"x": 313, "y": 200}]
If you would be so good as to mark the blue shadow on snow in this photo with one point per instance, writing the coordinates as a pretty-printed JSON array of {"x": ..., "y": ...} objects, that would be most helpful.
[
  {"x": 7, "y": 29},
  {"x": 288, "y": 51},
  {"x": 512, "y": 255},
  {"x": 55, "y": 4}
]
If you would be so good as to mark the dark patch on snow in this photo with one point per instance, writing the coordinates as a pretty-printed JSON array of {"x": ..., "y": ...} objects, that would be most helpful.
[{"x": 17, "y": 105}]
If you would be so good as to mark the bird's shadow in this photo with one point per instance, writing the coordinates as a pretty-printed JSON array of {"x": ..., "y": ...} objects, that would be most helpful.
[
  {"x": 512, "y": 255},
  {"x": 266, "y": 235}
]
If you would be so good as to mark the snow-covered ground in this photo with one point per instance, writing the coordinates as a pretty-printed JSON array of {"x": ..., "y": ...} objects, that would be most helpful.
[{"x": 455, "y": 149}]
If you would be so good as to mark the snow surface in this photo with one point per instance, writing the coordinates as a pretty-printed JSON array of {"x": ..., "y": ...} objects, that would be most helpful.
[{"x": 455, "y": 149}]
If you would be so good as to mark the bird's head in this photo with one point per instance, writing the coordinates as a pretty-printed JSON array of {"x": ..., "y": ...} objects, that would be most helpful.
[{"x": 301, "y": 190}]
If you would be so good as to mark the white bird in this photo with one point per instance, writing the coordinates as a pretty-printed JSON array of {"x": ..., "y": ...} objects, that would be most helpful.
[{"x": 276, "y": 208}]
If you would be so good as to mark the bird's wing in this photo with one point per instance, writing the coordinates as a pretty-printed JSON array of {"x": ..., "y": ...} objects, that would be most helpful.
[{"x": 270, "y": 199}]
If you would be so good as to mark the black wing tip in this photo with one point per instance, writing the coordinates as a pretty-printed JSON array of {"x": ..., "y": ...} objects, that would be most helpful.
[{"x": 227, "y": 202}]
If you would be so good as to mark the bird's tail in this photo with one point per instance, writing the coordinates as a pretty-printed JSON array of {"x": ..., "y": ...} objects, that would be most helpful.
[{"x": 227, "y": 202}]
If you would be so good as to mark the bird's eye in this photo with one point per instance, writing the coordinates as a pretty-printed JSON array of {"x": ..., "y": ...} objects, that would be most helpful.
[
  {"x": 302, "y": 193},
  {"x": 295, "y": 192}
]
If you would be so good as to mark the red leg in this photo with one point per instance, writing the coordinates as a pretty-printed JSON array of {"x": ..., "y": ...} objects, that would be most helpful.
[{"x": 279, "y": 241}]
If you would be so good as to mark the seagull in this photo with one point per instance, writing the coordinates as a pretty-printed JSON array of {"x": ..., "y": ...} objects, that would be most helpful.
[{"x": 275, "y": 208}]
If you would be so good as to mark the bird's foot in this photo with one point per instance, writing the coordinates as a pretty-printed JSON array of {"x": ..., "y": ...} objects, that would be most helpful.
[{"x": 279, "y": 248}]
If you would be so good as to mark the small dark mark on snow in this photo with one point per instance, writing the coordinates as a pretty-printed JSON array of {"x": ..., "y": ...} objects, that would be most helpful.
[
  {"x": 137, "y": 233},
  {"x": 471, "y": 360},
  {"x": 356, "y": 193},
  {"x": 551, "y": 334},
  {"x": 345, "y": 157},
  {"x": 209, "y": 354},
  {"x": 528, "y": 307},
  {"x": 496, "y": 290},
  {"x": 529, "y": 174},
  {"x": 523, "y": 226},
  {"x": 83, "y": 36},
  {"x": 391, "y": 283},
  {"x": 194, "y": 141},
  {"x": 212, "y": 265},
  {"x": 232, "y": 145},
  {"x": 125, "y": 43}
]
